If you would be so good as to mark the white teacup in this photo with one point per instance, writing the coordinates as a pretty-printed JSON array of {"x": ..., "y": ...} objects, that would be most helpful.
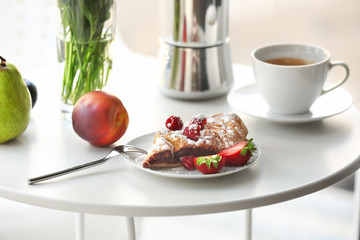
[{"x": 292, "y": 89}]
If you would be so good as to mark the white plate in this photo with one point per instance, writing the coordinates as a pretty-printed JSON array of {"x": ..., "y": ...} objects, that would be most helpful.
[
  {"x": 249, "y": 101},
  {"x": 146, "y": 141}
]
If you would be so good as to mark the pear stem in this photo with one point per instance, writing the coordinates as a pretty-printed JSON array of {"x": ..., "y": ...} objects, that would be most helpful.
[{"x": 3, "y": 61}]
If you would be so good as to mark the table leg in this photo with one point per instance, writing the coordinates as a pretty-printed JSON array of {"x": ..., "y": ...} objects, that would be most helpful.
[
  {"x": 79, "y": 226},
  {"x": 357, "y": 205},
  {"x": 248, "y": 224},
  {"x": 130, "y": 223}
]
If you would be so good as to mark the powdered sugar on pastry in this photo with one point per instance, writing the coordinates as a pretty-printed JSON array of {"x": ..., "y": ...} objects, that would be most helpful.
[{"x": 220, "y": 131}]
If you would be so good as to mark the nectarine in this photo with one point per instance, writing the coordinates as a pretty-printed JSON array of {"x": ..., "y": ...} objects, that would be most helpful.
[{"x": 100, "y": 118}]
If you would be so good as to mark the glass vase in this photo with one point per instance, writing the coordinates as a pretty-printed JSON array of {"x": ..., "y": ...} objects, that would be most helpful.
[{"x": 85, "y": 31}]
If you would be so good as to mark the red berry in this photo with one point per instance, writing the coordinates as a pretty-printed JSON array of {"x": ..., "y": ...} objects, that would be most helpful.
[
  {"x": 188, "y": 162},
  {"x": 238, "y": 154},
  {"x": 199, "y": 120},
  {"x": 209, "y": 164},
  {"x": 192, "y": 132},
  {"x": 174, "y": 123}
]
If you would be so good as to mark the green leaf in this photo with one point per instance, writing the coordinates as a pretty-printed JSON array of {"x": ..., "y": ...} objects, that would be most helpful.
[
  {"x": 244, "y": 151},
  {"x": 249, "y": 147},
  {"x": 215, "y": 163},
  {"x": 200, "y": 160},
  {"x": 208, "y": 163}
]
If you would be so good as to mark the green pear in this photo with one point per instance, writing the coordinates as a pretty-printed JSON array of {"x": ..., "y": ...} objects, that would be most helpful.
[{"x": 15, "y": 102}]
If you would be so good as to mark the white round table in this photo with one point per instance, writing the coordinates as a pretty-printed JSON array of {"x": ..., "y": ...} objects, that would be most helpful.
[{"x": 297, "y": 159}]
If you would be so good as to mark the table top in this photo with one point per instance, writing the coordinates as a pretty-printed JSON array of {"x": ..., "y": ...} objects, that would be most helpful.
[{"x": 297, "y": 159}]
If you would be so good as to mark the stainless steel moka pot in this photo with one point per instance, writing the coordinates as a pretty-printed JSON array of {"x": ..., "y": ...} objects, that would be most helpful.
[{"x": 194, "y": 52}]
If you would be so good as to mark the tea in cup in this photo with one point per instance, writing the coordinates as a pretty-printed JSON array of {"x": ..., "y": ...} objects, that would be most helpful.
[{"x": 290, "y": 77}]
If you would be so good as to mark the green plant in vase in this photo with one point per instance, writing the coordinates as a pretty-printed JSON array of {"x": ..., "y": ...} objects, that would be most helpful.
[{"x": 83, "y": 46}]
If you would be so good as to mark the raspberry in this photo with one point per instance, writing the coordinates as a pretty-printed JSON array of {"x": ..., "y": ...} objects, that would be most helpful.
[
  {"x": 192, "y": 131},
  {"x": 199, "y": 120},
  {"x": 188, "y": 162},
  {"x": 174, "y": 123}
]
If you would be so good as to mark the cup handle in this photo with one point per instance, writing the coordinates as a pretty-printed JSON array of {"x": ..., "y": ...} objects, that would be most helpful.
[{"x": 338, "y": 84}]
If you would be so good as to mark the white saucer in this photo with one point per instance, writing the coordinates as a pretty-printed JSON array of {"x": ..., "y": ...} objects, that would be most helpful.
[{"x": 249, "y": 101}]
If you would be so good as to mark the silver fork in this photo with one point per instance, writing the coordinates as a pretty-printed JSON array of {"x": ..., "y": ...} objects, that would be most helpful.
[{"x": 113, "y": 152}]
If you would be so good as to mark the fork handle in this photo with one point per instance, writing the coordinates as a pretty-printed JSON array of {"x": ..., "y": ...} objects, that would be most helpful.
[{"x": 66, "y": 171}]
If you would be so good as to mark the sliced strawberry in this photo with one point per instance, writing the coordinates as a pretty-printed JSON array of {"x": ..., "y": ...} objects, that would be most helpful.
[
  {"x": 188, "y": 162},
  {"x": 209, "y": 164},
  {"x": 238, "y": 154}
]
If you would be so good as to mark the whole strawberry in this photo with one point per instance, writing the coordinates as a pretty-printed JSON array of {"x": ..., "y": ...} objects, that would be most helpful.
[
  {"x": 238, "y": 154},
  {"x": 209, "y": 164}
]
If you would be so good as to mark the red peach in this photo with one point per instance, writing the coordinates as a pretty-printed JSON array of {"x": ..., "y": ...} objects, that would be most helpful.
[{"x": 100, "y": 118}]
